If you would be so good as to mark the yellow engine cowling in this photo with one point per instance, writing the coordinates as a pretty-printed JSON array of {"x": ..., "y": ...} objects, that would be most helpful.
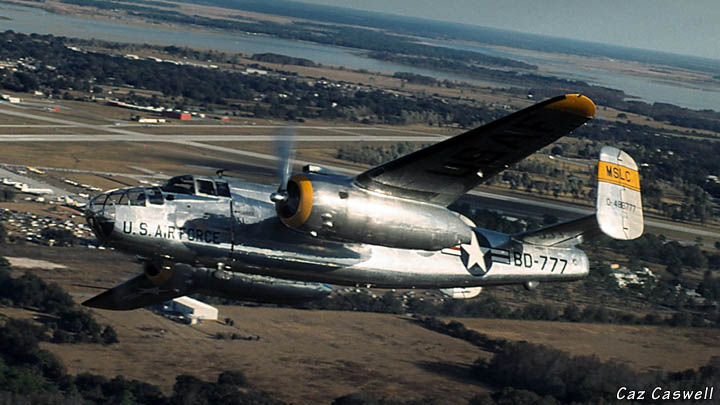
[
  {"x": 297, "y": 209},
  {"x": 331, "y": 207},
  {"x": 161, "y": 271}
]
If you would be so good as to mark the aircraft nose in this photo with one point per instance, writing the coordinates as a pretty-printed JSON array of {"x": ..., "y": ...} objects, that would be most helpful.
[{"x": 101, "y": 220}]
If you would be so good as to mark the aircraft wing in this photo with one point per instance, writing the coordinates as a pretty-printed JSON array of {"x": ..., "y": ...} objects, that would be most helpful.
[
  {"x": 441, "y": 173},
  {"x": 138, "y": 292}
]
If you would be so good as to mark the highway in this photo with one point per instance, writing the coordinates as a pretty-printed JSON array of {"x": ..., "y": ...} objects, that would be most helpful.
[{"x": 115, "y": 133}]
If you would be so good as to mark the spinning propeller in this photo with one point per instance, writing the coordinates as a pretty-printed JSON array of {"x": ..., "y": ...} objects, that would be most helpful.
[{"x": 287, "y": 197}]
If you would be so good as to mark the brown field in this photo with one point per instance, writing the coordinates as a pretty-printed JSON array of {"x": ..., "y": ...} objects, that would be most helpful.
[
  {"x": 6, "y": 119},
  {"x": 307, "y": 356},
  {"x": 105, "y": 156}
]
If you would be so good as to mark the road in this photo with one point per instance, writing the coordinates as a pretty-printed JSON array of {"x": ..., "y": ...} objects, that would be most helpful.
[{"x": 113, "y": 133}]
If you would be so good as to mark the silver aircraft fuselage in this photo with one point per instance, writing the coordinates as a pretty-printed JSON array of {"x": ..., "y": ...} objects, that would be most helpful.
[{"x": 238, "y": 229}]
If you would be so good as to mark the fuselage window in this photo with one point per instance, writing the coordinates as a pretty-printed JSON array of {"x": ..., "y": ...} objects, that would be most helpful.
[
  {"x": 206, "y": 187},
  {"x": 222, "y": 189}
]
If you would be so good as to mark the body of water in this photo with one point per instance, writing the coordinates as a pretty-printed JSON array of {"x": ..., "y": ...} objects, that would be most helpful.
[
  {"x": 648, "y": 89},
  {"x": 32, "y": 20}
]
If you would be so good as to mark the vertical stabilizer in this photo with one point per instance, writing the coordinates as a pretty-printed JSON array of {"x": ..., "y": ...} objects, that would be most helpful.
[{"x": 619, "y": 205}]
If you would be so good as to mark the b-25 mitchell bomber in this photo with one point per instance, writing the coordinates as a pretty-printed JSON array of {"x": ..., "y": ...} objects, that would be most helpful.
[{"x": 388, "y": 227}]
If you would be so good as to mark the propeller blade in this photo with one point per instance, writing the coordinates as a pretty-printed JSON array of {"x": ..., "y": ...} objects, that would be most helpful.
[
  {"x": 284, "y": 145},
  {"x": 284, "y": 150}
]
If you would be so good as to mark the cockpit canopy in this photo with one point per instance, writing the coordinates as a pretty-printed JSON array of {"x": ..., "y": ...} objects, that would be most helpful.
[
  {"x": 104, "y": 204},
  {"x": 197, "y": 185}
]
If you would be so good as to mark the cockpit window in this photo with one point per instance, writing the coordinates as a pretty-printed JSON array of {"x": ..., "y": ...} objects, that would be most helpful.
[
  {"x": 137, "y": 197},
  {"x": 116, "y": 197},
  {"x": 180, "y": 185},
  {"x": 155, "y": 196},
  {"x": 206, "y": 187},
  {"x": 222, "y": 189}
]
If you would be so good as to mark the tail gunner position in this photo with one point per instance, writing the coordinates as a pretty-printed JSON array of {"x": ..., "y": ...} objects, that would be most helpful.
[{"x": 388, "y": 227}]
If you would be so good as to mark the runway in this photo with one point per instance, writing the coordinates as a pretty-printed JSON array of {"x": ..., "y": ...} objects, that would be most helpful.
[{"x": 114, "y": 133}]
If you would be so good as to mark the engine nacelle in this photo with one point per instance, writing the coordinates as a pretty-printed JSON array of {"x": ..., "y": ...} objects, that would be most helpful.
[
  {"x": 331, "y": 207},
  {"x": 186, "y": 279},
  {"x": 162, "y": 272}
]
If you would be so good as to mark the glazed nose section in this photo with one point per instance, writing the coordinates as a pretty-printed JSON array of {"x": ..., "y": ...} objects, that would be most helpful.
[{"x": 100, "y": 215}]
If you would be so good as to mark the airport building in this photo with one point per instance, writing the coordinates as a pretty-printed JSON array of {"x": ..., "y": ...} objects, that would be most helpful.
[
  {"x": 183, "y": 116},
  {"x": 191, "y": 310}
]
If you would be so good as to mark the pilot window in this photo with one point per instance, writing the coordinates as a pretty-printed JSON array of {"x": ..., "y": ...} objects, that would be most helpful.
[
  {"x": 222, "y": 189},
  {"x": 115, "y": 197},
  {"x": 155, "y": 196},
  {"x": 137, "y": 197},
  {"x": 206, "y": 187}
]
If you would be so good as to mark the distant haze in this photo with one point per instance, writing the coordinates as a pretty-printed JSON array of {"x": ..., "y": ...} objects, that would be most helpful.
[{"x": 684, "y": 27}]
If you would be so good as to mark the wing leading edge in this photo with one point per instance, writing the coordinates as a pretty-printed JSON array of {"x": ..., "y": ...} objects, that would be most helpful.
[{"x": 441, "y": 173}]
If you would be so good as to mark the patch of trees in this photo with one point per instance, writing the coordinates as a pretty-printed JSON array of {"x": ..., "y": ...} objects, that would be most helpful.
[
  {"x": 7, "y": 194},
  {"x": 416, "y": 78},
  {"x": 65, "y": 323},
  {"x": 114, "y": 5},
  {"x": 675, "y": 115},
  {"x": 374, "y": 155},
  {"x": 282, "y": 59},
  {"x": 387, "y": 304},
  {"x": 29, "y": 374},
  {"x": 364, "y": 398},
  {"x": 491, "y": 307},
  {"x": 62, "y": 237},
  {"x": 540, "y": 374},
  {"x": 656, "y": 249},
  {"x": 709, "y": 287}
]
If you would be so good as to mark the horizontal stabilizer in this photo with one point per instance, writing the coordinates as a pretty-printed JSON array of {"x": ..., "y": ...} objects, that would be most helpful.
[
  {"x": 619, "y": 205},
  {"x": 138, "y": 292},
  {"x": 569, "y": 233}
]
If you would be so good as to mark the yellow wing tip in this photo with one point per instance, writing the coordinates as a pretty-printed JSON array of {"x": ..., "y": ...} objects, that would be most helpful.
[{"x": 575, "y": 104}]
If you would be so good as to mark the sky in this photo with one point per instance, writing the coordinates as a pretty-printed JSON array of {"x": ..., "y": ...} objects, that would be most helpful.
[{"x": 686, "y": 27}]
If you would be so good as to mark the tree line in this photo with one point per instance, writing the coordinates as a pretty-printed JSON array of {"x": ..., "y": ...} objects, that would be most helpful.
[
  {"x": 56, "y": 68},
  {"x": 524, "y": 372},
  {"x": 66, "y": 323}
]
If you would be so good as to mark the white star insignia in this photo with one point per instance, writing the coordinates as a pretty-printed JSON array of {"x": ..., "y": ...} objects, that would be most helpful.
[{"x": 473, "y": 257}]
